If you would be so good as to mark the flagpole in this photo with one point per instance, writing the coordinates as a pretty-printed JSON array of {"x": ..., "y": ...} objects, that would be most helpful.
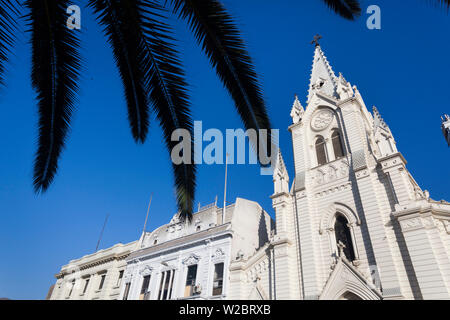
[
  {"x": 101, "y": 233},
  {"x": 148, "y": 210},
  {"x": 225, "y": 190}
]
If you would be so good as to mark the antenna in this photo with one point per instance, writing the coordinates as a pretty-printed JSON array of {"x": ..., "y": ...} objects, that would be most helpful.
[
  {"x": 101, "y": 233},
  {"x": 225, "y": 190},
  {"x": 148, "y": 209}
]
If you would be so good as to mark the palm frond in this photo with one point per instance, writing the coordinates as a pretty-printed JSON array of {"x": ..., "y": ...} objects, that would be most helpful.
[
  {"x": 119, "y": 22},
  {"x": 221, "y": 41},
  {"x": 8, "y": 25},
  {"x": 441, "y": 3},
  {"x": 170, "y": 101},
  {"x": 54, "y": 75},
  {"x": 348, "y": 9},
  {"x": 158, "y": 74}
]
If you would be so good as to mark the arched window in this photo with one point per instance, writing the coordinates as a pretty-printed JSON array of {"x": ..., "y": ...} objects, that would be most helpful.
[
  {"x": 320, "y": 151},
  {"x": 337, "y": 144},
  {"x": 344, "y": 236}
]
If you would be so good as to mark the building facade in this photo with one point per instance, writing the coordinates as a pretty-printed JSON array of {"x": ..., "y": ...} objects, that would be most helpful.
[
  {"x": 183, "y": 260},
  {"x": 97, "y": 276},
  {"x": 354, "y": 224}
]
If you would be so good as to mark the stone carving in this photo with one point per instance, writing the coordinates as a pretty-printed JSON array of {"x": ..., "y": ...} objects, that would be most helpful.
[
  {"x": 192, "y": 259},
  {"x": 322, "y": 120},
  {"x": 411, "y": 224},
  {"x": 331, "y": 172},
  {"x": 218, "y": 255},
  {"x": 147, "y": 270},
  {"x": 419, "y": 194}
]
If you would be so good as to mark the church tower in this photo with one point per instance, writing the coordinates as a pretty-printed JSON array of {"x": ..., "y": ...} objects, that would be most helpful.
[{"x": 354, "y": 223}]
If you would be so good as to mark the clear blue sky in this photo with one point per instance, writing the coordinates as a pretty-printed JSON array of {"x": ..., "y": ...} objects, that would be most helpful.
[{"x": 402, "y": 69}]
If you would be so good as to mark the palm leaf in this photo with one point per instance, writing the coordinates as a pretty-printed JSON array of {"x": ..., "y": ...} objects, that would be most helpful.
[
  {"x": 442, "y": 3},
  {"x": 55, "y": 71},
  {"x": 348, "y": 9},
  {"x": 170, "y": 101},
  {"x": 140, "y": 34},
  {"x": 8, "y": 13},
  {"x": 221, "y": 41},
  {"x": 127, "y": 50}
]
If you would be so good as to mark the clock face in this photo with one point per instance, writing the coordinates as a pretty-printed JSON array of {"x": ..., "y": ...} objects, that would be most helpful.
[{"x": 321, "y": 120}]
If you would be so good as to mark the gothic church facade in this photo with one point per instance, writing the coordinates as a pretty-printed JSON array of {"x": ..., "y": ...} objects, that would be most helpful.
[{"x": 353, "y": 223}]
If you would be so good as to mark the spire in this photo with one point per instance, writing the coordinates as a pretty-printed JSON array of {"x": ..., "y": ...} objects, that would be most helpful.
[
  {"x": 280, "y": 176},
  {"x": 322, "y": 78},
  {"x": 383, "y": 135},
  {"x": 297, "y": 110},
  {"x": 378, "y": 121}
]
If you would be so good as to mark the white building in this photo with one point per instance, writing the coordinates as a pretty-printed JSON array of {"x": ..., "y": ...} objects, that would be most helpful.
[
  {"x": 94, "y": 276},
  {"x": 354, "y": 224},
  {"x": 446, "y": 127},
  {"x": 191, "y": 261}
]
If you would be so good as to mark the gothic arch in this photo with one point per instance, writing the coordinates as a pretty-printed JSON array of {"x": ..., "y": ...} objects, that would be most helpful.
[
  {"x": 349, "y": 296},
  {"x": 320, "y": 147},
  {"x": 327, "y": 223},
  {"x": 329, "y": 216}
]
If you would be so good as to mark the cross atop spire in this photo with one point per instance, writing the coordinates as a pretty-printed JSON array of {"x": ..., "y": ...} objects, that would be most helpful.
[
  {"x": 322, "y": 78},
  {"x": 316, "y": 39}
]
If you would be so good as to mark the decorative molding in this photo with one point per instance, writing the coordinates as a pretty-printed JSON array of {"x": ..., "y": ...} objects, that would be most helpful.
[
  {"x": 147, "y": 270},
  {"x": 322, "y": 119},
  {"x": 415, "y": 223},
  {"x": 218, "y": 255},
  {"x": 331, "y": 172},
  {"x": 344, "y": 186},
  {"x": 192, "y": 259}
]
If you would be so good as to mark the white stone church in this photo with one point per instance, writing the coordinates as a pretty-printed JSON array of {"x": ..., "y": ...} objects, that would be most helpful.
[{"x": 353, "y": 224}]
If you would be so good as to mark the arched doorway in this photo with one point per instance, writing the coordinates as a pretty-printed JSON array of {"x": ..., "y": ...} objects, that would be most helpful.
[{"x": 349, "y": 296}]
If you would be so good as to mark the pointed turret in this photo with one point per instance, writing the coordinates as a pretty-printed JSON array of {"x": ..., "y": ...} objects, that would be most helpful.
[
  {"x": 446, "y": 127},
  {"x": 378, "y": 121},
  {"x": 383, "y": 135},
  {"x": 344, "y": 88},
  {"x": 280, "y": 176},
  {"x": 297, "y": 111},
  {"x": 322, "y": 78}
]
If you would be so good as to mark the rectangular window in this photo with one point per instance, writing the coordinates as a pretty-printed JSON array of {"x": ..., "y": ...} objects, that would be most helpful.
[
  {"x": 119, "y": 280},
  {"x": 171, "y": 285},
  {"x": 218, "y": 279},
  {"x": 190, "y": 280},
  {"x": 166, "y": 285},
  {"x": 144, "y": 288},
  {"x": 86, "y": 283},
  {"x": 102, "y": 282},
  {"x": 127, "y": 290},
  {"x": 71, "y": 288}
]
